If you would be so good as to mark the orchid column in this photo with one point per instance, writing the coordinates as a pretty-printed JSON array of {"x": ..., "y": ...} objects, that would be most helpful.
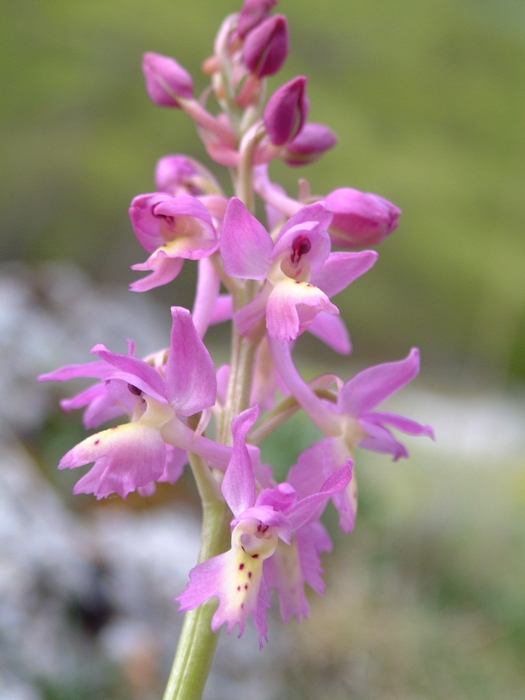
[{"x": 278, "y": 278}]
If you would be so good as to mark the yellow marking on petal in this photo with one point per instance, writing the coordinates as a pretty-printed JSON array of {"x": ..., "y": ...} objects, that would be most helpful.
[
  {"x": 156, "y": 414},
  {"x": 252, "y": 543}
]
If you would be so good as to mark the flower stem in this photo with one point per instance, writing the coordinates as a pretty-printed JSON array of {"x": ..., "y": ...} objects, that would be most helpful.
[{"x": 197, "y": 641}]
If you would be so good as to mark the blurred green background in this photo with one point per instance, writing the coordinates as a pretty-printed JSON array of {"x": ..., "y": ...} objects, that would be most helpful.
[{"x": 425, "y": 600}]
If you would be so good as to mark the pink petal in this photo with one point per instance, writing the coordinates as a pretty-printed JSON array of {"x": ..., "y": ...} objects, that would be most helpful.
[
  {"x": 236, "y": 579},
  {"x": 165, "y": 80},
  {"x": 380, "y": 439},
  {"x": 325, "y": 418},
  {"x": 309, "y": 145},
  {"x": 340, "y": 269},
  {"x": 223, "y": 309},
  {"x": 283, "y": 572},
  {"x": 332, "y": 331},
  {"x": 126, "y": 456},
  {"x": 286, "y": 111},
  {"x": 96, "y": 369},
  {"x": 313, "y": 234},
  {"x": 406, "y": 425},
  {"x": 319, "y": 212},
  {"x": 176, "y": 460},
  {"x": 238, "y": 485},
  {"x": 283, "y": 318},
  {"x": 360, "y": 218},
  {"x": 247, "y": 316},
  {"x": 164, "y": 270},
  {"x": 375, "y": 384},
  {"x": 246, "y": 246},
  {"x": 266, "y": 46},
  {"x": 190, "y": 374},
  {"x": 134, "y": 371},
  {"x": 307, "y": 508},
  {"x": 312, "y": 539},
  {"x": 208, "y": 285},
  {"x": 308, "y": 475},
  {"x": 336, "y": 453}
]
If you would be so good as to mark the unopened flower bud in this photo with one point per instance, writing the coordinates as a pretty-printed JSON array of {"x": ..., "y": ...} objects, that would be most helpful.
[
  {"x": 309, "y": 144},
  {"x": 266, "y": 46},
  {"x": 286, "y": 111},
  {"x": 180, "y": 174},
  {"x": 360, "y": 218},
  {"x": 166, "y": 80},
  {"x": 253, "y": 12}
]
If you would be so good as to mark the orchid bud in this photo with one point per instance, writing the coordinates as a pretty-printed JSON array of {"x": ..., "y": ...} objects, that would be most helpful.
[
  {"x": 253, "y": 12},
  {"x": 309, "y": 144},
  {"x": 286, "y": 111},
  {"x": 166, "y": 80},
  {"x": 360, "y": 218},
  {"x": 174, "y": 172},
  {"x": 180, "y": 174},
  {"x": 266, "y": 47}
]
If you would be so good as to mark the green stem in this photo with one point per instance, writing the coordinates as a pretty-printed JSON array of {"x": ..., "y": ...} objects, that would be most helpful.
[{"x": 197, "y": 641}]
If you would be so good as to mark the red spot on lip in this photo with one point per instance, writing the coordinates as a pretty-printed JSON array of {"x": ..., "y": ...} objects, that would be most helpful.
[
  {"x": 134, "y": 390},
  {"x": 96, "y": 442},
  {"x": 300, "y": 246},
  {"x": 255, "y": 556},
  {"x": 241, "y": 567},
  {"x": 249, "y": 574}
]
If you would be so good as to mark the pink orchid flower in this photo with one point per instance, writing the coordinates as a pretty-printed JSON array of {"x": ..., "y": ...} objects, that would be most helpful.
[
  {"x": 158, "y": 399},
  {"x": 260, "y": 520},
  {"x": 171, "y": 229},
  {"x": 298, "y": 270},
  {"x": 351, "y": 421}
]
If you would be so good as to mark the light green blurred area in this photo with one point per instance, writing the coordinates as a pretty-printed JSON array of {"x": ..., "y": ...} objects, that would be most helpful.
[
  {"x": 427, "y": 98},
  {"x": 425, "y": 600}
]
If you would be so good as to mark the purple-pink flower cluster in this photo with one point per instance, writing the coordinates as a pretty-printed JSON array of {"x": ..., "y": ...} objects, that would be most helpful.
[{"x": 279, "y": 278}]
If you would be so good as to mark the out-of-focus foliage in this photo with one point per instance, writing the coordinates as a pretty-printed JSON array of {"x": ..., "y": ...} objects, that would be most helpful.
[
  {"x": 426, "y": 96},
  {"x": 425, "y": 598}
]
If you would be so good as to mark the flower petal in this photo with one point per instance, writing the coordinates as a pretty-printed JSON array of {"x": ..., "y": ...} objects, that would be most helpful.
[
  {"x": 126, "y": 456},
  {"x": 246, "y": 246},
  {"x": 340, "y": 269},
  {"x": 283, "y": 318},
  {"x": 134, "y": 371},
  {"x": 406, "y": 425},
  {"x": 190, "y": 374},
  {"x": 164, "y": 270},
  {"x": 332, "y": 331},
  {"x": 236, "y": 579},
  {"x": 380, "y": 439},
  {"x": 238, "y": 485},
  {"x": 375, "y": 384}
]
